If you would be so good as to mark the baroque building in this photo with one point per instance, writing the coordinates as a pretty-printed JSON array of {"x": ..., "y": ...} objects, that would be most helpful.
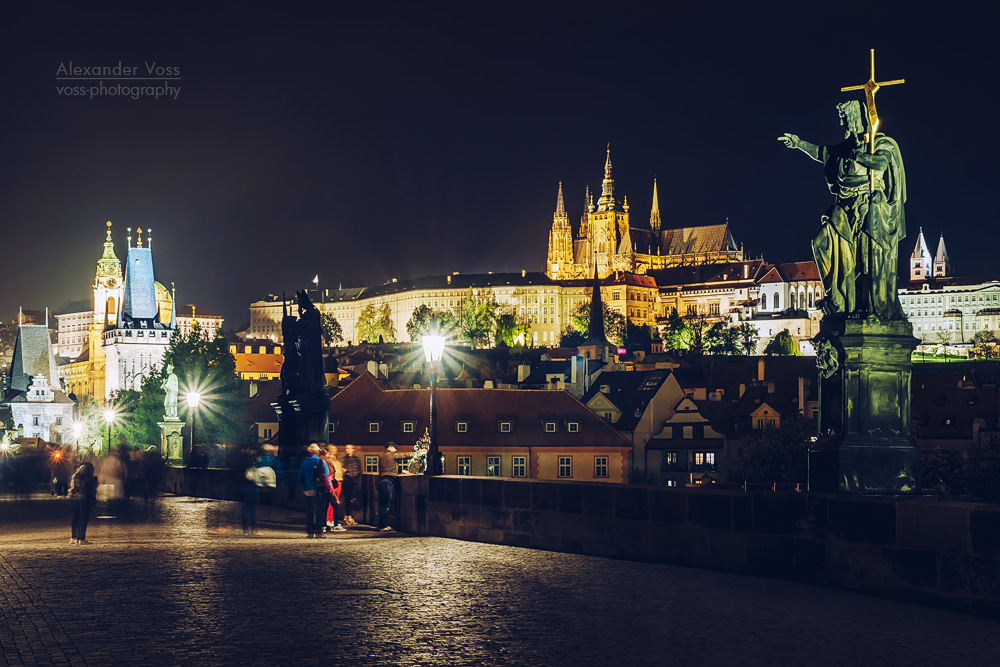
[{"x": 606, "y": 238}]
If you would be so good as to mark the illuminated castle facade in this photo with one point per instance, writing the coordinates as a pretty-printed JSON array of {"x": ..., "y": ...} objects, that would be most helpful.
[{"x": 607, "y": 237}]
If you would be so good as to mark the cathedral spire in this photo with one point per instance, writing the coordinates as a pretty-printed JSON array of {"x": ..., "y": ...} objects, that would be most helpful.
[
  {"x": 607, "y": 200},
  {"x": 595, "y": 330},
  {"x": 654, "y": 213},
  {"x": 942, "y": 262},
  {"x": 584, "y": 227},
  {"x": 560, "y": 207}
]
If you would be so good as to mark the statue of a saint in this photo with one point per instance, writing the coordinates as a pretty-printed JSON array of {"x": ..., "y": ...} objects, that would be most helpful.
[
  {"x": 858, "y": 240},
  {"x": 170, "y": 399},
  {"x": 290, "y": 351},
  {"x": 310, "y": 338}
]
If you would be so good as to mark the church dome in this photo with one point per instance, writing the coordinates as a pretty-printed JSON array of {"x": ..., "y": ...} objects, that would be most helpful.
[{"x": 165, "y": 303}]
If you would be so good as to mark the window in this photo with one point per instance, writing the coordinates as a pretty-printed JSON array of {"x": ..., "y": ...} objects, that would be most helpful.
[
  {"x": 670, "y": 458},
  {"x": 407, "y": 427},
  {"x": 505, "y": 427},
  {"x": 371, "y": 464},
  {"x": 493, "y": 466},
  {"x": 462, "y": 427},
  {"x": 671, "y": 482},
  {"x": 777, "y": 301},
  {"x": 550, "y": 427},
  {"x": 600, "y": 466},
  {"x": 763, "y": 302},
  {"x": 267, "y": 434},
  {"x": 573, "y": 427},
  {"x": 704, "y": 458},
  {"x": 373, "y": 427},
  {"x": 565, "y": 466},
  {"x": 464, "y": 465},
  {"x": 519, "y": 466},
  {"x": 34, "y": 421}
]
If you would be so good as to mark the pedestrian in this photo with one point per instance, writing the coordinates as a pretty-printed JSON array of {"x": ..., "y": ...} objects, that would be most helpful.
[
  {"x": 83, "y": 496},
  {"x": 352, "y": 480},
  {"x": 386, "y": 480},
  {"x": 335, "y": 515},
  {"x": 314, "y": 478},
  {"x": 248, "y": 483}
]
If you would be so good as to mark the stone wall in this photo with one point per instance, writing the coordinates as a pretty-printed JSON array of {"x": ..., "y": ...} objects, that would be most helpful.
[{"x": 917, "y": 549}]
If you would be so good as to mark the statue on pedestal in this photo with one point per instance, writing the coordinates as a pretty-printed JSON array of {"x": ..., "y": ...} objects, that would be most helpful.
[{"x": 170, "y": 399}]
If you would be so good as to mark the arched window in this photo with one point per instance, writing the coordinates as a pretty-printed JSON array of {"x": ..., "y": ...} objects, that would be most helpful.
[
  {"x": 763, "y": 301},
  {"x": 777, "y": 301},
  {"x": 811, "y": 302},
  {"x": 110, "y": 312},
  {"x": 802, "y": 298}
]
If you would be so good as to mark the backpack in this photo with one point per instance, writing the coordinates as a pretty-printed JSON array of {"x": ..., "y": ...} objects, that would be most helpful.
[{"x": 318, "y": 476}]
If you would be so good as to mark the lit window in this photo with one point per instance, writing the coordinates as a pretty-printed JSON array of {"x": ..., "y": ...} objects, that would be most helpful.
[
  {"x": 462, "y": 427},
  {"x": 371, "y": 464},
  {"x": 464, "y": 465},
  {"x": 565, "y": 466},
  {"x": 573, "y": 427},
  {"x": 505, "y": 427},
  {"x": 493, "y": 466},
  {"x": 519, "y": 466},
  {"x": 550, "y": 427},
  {"x": 600, "y": 466},
  {"x": 407, "y": 427},
  {"x": 373, "y": 427}
]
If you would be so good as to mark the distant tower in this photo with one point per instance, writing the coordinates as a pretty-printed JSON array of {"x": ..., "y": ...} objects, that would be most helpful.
[
  {"x": 560, "y": 258},
  {"x": 107, "y": 285},
  {"x": 608, "y": 224},
  {"x": 920, "y": 261},
  {"x": 654, "y": 214},
  {"x": 942, "y": 263}
]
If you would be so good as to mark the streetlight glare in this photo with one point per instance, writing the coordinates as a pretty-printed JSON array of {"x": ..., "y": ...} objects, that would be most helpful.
[
  {"x": 109, "y": 415},
  {"x": 193, "y": 398},
  {"x": 433, "y": 348}
]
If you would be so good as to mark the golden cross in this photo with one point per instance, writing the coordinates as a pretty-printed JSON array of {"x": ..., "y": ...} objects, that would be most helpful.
[
  {"x": 140, "y": 238},
  {"x": 870, "y": 88}
]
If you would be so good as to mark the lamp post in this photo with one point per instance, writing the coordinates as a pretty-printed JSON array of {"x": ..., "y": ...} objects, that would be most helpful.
[
  {"x": 193, "y": 399},
  {"x": 433, "y": 349},
  {"x": 109, "y": 419}
]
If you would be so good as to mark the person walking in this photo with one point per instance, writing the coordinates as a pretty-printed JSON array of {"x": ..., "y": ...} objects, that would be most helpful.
[
  {"x": 352, "y": 480},
  {"x": 335, "y": 515},
  {"x": 386, "y": 481},
  {"x": 83, "y": 495},
  {"x": 314, "y": 478}
]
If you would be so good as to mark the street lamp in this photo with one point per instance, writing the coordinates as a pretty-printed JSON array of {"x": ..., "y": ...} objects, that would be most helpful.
[
  {"x": 193, "y": 399},
  {"x": 109, "y": 419},
  {"x": 433, "y": 350}
]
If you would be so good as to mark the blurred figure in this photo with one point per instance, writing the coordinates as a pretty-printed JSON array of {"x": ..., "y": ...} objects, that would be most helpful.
[
  {"x": 83, "y": 495},
  {"x": 249, "y": 483},
  {"x": 352, "y": 481},
  {"x": 152, "y": 474},
  {"x": 386, "y": 480},
  {"x": 314, "y": 478},
  {"x": 335, "y": 515},
  {"x": 61, "y": 472}
]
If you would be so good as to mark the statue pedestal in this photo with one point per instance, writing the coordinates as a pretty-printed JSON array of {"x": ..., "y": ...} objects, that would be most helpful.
[
  {"x": 171, "y": 442},
  {"x": 302, "y": 419},
  {"x": 871, "y": 415}
]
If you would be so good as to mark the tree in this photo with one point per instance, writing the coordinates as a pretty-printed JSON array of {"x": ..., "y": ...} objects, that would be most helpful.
[
  {"x": 722, "y": 339},
  {"x": 8, "y": 336},
  {"x": 201, "y": 364},
  {"x": 782, "y": 345},
  {"x": 614, "y": 323},
  {"x": 333, "y": 333},
  {"x": 477, "y": 317},
  {"x": 512, "y": 330},
  {"x": 748, "y": 336},
  {"x": 571, "y": 337},
  {"x": 697, "y": 322},
  {"x": 425, "y": 319},
  {"x": 676, "y": 333},
  {"x": 375, "y": 321},
  {"x": 780, "y": 454},
  {"x": 637, "y": 336},
  {"x": 985, "y": 345}
]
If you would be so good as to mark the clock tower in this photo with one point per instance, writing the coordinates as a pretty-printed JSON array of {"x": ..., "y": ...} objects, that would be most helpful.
[{"x": 107, "y": 300}]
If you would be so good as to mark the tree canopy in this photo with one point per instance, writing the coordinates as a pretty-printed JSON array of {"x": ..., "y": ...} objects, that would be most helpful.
[
  {"x": 614, "y": 323},
  {"x": 477, "y": 317},
  {"x": 782, "y": 345},
  {"x": 333, "y": 333},
  {"x": 375, "y": 322},
  {"x": 779, "y": 454}
]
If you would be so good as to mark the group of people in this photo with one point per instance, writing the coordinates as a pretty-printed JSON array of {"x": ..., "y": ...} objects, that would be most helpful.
[{"x": 331, "y": 483}]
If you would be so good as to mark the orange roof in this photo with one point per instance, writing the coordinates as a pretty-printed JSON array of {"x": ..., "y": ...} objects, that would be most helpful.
[
  {"x": 258, "y": 363},
  {"x": 790, "y": 272}
]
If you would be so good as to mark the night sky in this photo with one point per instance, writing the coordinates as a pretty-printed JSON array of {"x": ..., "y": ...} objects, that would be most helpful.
[{"x": 376, "y": 141}]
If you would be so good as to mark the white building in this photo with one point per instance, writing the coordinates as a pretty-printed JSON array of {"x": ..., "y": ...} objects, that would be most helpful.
[{"x": 38, "y": 409}]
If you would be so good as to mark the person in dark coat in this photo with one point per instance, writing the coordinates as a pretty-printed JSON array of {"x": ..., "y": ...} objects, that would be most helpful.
[{"x": 83, "y": 496}]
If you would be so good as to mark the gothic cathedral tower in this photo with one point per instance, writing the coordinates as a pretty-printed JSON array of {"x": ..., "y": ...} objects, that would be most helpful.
[
  {"x": 560, "y": 258},
  {"x": 608, "y": 230}
]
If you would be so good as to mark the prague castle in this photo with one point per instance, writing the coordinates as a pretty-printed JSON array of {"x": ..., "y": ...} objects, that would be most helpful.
[{"x": 606, "y": 236}]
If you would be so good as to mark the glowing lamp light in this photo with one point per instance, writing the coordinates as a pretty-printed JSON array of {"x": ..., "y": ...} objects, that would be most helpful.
[
  {"x": 77, "y": 429},
  {"x": 4, "y": 446},
  {"x": 193, "y": 398},
  {"x": 433, "y": 348},
  {"x": 109, "y": 416}
]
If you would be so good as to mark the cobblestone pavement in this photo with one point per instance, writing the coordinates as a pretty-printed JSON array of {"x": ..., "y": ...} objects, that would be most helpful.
[{"x": 181, "y": 586}]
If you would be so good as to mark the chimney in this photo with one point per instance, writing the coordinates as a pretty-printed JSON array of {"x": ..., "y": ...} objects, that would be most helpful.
[
  {"x": 743, "y": 389},
  {"x": 372, "y": 367},
  {"x": 253, "y": 389},
  {"x": 760, "y": 369},
  {"x": 572, "y": 369},
  {"x": 524, "y": 273},
  {"x": 384, "y": 370}
]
